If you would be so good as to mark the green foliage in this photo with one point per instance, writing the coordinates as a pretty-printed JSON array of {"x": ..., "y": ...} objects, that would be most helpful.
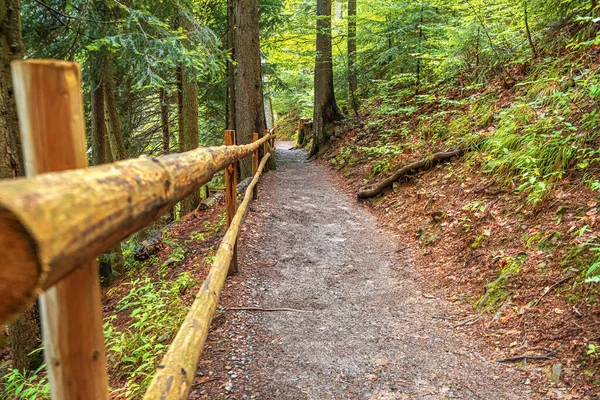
[
  {"x": 537, "y": 151},
  {"x": 156, "y": 312},
  {"x": 495, "y": 291},
  {"x": 592, "y": 274},
  {"x": 24, "y": 385}
]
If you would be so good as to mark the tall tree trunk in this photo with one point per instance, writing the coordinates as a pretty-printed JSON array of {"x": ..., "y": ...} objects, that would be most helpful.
[
  {"x": 25, "y": 330},
  {"x": 25, "y": 337},
  {"x": 166, "y": 135},
  {"x": 180, "y": 119},
  {"x": 98, "y": 119},
  {"x": 189, "y": 97},
  {"x": 101, "y": 152},
  {"x": 250, "y": 111},
  {"x": 420, "y": 50},
  {"x": 164, "y": 120},
  {"x": 117, "y": 144},
  {"x": 230, "y": 117},
  {"x": 11, "y": 43},
  {"x": 326, "y": 110},
  {"x": 352, "y": 80}
]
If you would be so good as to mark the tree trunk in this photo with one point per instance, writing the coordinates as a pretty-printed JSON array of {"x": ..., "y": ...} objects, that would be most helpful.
[
  {"x": 326, "y": 110},
  {"x": 25, "y": 330},
  {"x": 352, "y": 80},
  {"x": 112, "y": 262},
  {"x": 115, "y": 136},
  {"x": 25, "y": 338},
  {"x": 189, "y": 98},
  {"x": 230, "y": 114},
  {"x": 117, "y": 147},
  {"x": 166, "y": 135},
  {"x": 250, "y": 117},
  {"x": 101, "y": 152},
  {"x": 528, "y": 31},
  {"x": 180, "y": 119},
  {"x": 11, "y": 43},
  {"x": 164, "y": 120},
  {"x": 420, "y": 50},
  {"x": 98, "y": 119}
]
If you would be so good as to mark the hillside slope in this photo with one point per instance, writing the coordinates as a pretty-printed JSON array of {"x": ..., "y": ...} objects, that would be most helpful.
[{"x": 510, "y": 229}]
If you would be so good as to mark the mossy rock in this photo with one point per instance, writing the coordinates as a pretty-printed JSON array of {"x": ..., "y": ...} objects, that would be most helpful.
[
  {"x": 478, "y": 242},
  {"x": 495, "y": 291}
]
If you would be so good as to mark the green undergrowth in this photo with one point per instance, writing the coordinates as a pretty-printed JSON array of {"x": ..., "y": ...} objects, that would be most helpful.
[
  {"x": 24, "y": 385},
  {"x": 286, "y": 126},
  {"x": 150, "y": 309},
  {"x": 147, "y": 309},
  {"x": 155, "y": 311},
  {"x": 528, "y": 138}
]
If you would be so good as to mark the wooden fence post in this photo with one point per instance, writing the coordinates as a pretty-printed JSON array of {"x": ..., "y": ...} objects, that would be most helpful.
[
  {"x": 231, "y": 196},
  {"x": 266, "y": 147},
  {"x": 255, "y": 166},
  {"x": 50, "y": 108}
]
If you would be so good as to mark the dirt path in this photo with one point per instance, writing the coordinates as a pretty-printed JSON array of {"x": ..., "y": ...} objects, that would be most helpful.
[{"x": 368, "y": 332}]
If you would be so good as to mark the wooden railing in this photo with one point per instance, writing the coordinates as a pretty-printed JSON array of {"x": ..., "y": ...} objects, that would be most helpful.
[{"x": 53, "y": 226}]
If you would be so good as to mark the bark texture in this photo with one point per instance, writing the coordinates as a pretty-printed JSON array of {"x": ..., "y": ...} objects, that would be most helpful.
[
  {"x": 117, "y": 143},
  {"x": 180, "y": 119},
  {"x": 250, "y": 111},
  {"x": 326, "y": 110},
  {"x": 166, "y": 134},
  {"x": 230, "y": 117},
  {"x": 190, "y": 128},
  {"x": 11, "y": 48},
  {"x": 25, "y": 330},
  {"x": 98, "y": 118},
  {"x": 164, "y": 120},
  {"x": 25, "y": 337},
  {"x": 352, "y": 80}
]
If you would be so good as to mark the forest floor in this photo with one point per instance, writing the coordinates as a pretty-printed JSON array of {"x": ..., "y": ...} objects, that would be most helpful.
[{"x": 361, "y": 323}]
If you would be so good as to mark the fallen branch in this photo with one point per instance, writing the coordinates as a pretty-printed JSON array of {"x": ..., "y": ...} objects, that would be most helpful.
[
  {"x": 263, "y": 309},
  {"x": 560, "y": 282},
  {"x": 526, "y": 357},
  {"x": 468, "y": 321},
  {"x": 444, "y": 318},
  {"x": 416, "y": 166}
]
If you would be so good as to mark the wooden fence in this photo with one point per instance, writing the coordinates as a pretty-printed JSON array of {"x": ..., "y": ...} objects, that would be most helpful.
[{"x": 54, "y": 224}]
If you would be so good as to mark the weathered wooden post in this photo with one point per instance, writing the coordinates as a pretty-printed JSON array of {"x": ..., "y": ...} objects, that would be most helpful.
[
  {"x": 231, "y": 196},
  {"x": 255, "y": 166},
  {"x": 50, "y": 108}
]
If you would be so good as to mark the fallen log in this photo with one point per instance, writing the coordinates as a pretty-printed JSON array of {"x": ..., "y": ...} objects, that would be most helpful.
[
  {"x": 413, "y": 167},
  {"x": 216, "y": 196},
  {"x": 148, "y": 247}
]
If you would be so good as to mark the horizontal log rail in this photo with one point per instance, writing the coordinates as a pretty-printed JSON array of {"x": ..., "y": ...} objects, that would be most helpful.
[
  {"x": 51, "y": 223},
  {"x": 54, "y": 225},
  {"x": 175, "y": 374}
]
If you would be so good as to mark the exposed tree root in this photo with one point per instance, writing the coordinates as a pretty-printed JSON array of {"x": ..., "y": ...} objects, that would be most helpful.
[
  {"x": 413, "y": 167},
  {"x": 548, "y": 356}
]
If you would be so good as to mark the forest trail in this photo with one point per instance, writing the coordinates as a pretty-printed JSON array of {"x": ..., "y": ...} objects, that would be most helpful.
[{"x": 368, "y": 331}]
